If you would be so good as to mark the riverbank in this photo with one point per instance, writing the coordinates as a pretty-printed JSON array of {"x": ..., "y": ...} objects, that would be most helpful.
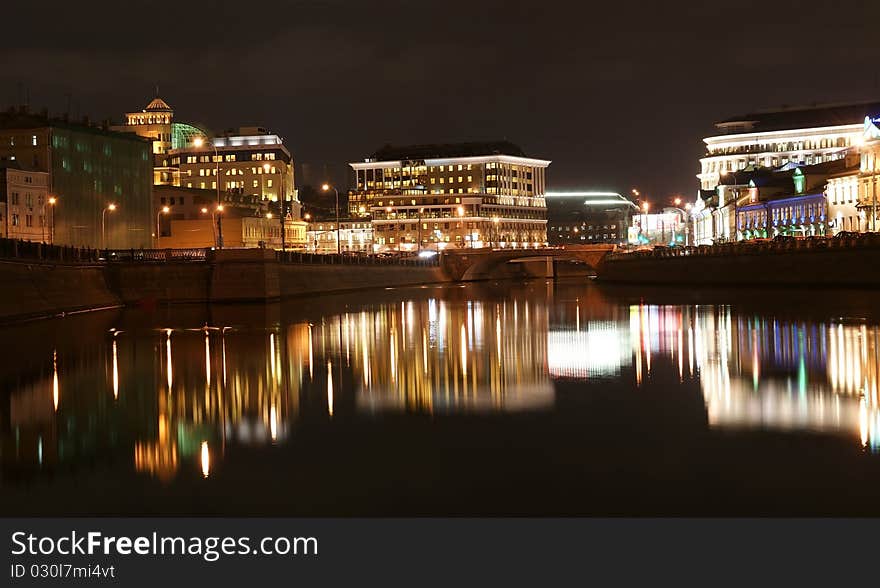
[
  {"x": 826, "y": 263},
  {"x": 45, "y": 288},
  {"x": 36, "y": 290}
]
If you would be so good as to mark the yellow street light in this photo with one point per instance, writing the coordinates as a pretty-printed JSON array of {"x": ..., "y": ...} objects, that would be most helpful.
[
  {"x": 111, "y": 207},
  {"x": 163, "y": 210},
  {"x": 677, "y": 201},
  {"x": 645, "y": 206},
  {"x": 198, "y": 141},
  {"x": 307, "y": 216},
  {"x": 204, "y": 210},
  {"x": 269, "y": 215}
]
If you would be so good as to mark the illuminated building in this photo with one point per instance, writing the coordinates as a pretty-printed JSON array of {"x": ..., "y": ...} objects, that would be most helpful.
[
  {"x": 790, "y": 202},
  {"x": 25, "y": 209},
  {"x": 355, "y": 235},
  {"x": 588, "y": 217},
  {"x": 668, "y": 227},
  {"x": 869, "y": 174},
  {"x": 774, "y": 138},
  {"x": 252, "y": 161},
  {"x": 461, "y": 195},
  {"x": 89, "y": 167}
]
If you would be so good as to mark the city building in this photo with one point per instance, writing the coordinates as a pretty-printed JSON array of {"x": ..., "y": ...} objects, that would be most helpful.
[
  {"x": 187, "y": 217},
  {"x": 156, "y": 124},
  {"x": 355, "y": 236},
  {"x": 783, "y": 203},
  {"x": 458, "y": 195},
  {"x": 25, "y": 208},
  {"x": 869, "y": 174},
  {"x": 668, "y": 227},
  {"x": 771, "y": 139},
  {"x": 588, "y": 217},
  {"x": 89, "y": 169}
]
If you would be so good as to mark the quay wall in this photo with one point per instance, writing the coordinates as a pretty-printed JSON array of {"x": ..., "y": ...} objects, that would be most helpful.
[
  {"x": 40, "y": 289},
  {"x": 827, "y": 266}
]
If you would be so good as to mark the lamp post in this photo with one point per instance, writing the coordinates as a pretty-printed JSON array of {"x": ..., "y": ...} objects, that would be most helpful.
[
  {"x": 495, "y": 221},
  {"x": 326, "y": 187},
  {"x": 111, "y": 207},
  {"x": 198, "y": 142},
  {"x": 217, "y": 213},
  {"x": 735, "y": 191},
  {"x": 685, "y": 214},
  {"x": 52, "y": 201},
  {"x": 419, "y": 246},
  {"x": 163, "y": 210},
  {"x": 645, "y": 207}
]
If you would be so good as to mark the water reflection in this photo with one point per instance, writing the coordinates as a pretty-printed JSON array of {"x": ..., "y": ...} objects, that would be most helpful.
[{"x": 178, "y": 398}]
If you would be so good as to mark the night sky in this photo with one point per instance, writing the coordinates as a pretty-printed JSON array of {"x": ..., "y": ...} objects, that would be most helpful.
[{"x": 617, "y": 94}]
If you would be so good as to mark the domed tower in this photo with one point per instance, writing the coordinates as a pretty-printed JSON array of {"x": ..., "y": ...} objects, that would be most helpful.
[{"x": 154, "y": 123}]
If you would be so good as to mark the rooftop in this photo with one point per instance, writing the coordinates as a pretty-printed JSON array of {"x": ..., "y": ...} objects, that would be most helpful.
[
  {"x": 799, "y": 117},
  {"x": 447, "y": 150},
  {"x": 22, "y": 118},
  {"x": 157, "y": 104}
]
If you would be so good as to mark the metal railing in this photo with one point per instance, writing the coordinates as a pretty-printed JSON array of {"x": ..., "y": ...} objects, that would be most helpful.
[
  {"x": 35, "y": 251},
  {"x": 756, "y": 247},
  {"x": 355, "y": 259},
  {"x": 199, "y": 254}
]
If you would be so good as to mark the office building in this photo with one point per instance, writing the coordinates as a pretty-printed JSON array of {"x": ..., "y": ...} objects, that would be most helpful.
[
  {"x": 455, "y": 195},
  {"x": 355, "y": 236},
  {"x": 800, "y": 136},
  {"x": 89, "y": 168},
  {"x": 584, "y": 217},
  {"x": 25, "y": 207}
]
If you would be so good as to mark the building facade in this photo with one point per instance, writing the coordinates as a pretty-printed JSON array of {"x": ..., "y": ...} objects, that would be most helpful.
[
  {"x": 89, "y": 168},
  {"x": 583, "y": 217},
  {"x": 460, "y": 195},
  {"x": 669, "y": 227},
  {"x": 25, "y": 207},
  {"x": 776, "y": 138},
  {"x": 355, "y": 236}
]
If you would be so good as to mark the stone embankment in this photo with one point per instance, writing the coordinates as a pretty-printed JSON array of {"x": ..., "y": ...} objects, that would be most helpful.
[{"x": 843, "y": 262}]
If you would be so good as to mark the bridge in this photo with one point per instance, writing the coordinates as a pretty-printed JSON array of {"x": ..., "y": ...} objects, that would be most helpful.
[{"x": 463, "y": 265}]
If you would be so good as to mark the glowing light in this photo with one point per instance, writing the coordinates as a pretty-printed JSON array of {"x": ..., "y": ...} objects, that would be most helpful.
[
  {"x": 273, "y": 423},
  {"x": 115, "y": 373},
  {"x": 329, "y": 388},
  {"x": 207, "y": 358},
  {"x": 205, "y": 460},
  {"x": 111, "y": 207},
  {"x": 168, "y": 359},
  {"x": 56, "y": 390}
]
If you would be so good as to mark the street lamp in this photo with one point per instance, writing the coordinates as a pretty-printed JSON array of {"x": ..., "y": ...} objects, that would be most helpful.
[
  {"x": 111, "y": 207},
  {"x": 51, "y": 201},
  {"x": 326, "y": 187},
  {"x": 217, "y": 213},
  {"x": 198, "y": 142},
  {"x": 735, "y": 191},
  {"x": 163, "y": 210},
  {"x": 495, "y": 221},
  {"x": 686, "y": 215}
]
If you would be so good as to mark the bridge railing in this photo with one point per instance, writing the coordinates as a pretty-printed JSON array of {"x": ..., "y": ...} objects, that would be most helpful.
[
  {"x": 355, "y": 259},
  {"x": 196, "y": 254},
  {"x": 755, "y": 247}
]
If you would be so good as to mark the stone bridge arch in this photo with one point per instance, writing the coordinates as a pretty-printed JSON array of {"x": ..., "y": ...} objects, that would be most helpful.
[{"x": 483, "y": 264}]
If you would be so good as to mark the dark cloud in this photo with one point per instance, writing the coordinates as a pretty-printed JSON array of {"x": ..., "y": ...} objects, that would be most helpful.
[{"x": 616, "y": 94}]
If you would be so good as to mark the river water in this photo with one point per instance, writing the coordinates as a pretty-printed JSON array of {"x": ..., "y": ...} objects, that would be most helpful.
[{"x": 497, "y": 398}]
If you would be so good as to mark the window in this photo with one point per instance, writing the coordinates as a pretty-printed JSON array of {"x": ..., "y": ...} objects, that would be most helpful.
[{"x": 268, "y": 183}]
